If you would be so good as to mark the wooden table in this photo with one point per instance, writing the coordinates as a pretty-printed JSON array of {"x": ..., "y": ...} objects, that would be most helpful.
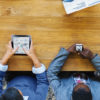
[{"x": 50, "y": 28}]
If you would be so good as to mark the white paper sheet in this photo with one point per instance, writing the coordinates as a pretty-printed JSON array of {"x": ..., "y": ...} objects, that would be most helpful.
[{"x": 77, "y": 5}]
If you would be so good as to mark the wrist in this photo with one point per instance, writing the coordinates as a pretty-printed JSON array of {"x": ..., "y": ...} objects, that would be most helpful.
[
  {"x": 4, "y": 61},
  {"x": 37, "y": 64},
  {"x": 36, "y": 61},
  {"x": 68, "y": 50},
  {"x": 91, "y": 57}
]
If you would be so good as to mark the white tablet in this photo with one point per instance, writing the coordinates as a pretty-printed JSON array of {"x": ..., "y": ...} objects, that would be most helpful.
[{"x": 21, "y": 41}]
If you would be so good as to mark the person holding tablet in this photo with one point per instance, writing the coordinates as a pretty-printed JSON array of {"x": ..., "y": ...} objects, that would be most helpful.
[
  {"x": 78, "y": 86},
  {"x": 24, "y": 87}
]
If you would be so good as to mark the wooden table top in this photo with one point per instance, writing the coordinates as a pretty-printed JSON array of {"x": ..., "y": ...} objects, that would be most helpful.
[{"x": 50, "y": 28}]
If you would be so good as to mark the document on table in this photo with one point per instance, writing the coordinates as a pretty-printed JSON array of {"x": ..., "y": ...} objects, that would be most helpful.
[{"x": 76, "y": 5}]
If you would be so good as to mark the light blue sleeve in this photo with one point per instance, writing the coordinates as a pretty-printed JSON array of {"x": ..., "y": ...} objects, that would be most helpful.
[
  {"x": 96, "y": 62},
  {"x": 55, "y": 68}
]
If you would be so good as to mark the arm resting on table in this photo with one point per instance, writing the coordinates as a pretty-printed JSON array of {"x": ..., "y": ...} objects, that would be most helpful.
[
  {"x": 55, "y": 68},
  {"x": 96, "y": 62}
]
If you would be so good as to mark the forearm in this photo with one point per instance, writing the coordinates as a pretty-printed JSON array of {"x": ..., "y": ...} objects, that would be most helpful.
[
  {"x": 38, "y": 67},
  {"x": 36, "y": 61},
  {"x": 96, "y": 62},
  {"x": 57, "y": 64},
  {"x": 5, "y": 58}
]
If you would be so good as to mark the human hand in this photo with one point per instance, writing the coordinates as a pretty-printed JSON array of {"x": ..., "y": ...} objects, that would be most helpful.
[
  {"x": 86, "y": 53},
  {"x": 72, "y": 49},
  {"x": 31, "y": 51},
  {"x": 9, "y": 53},
  {"x": 32, "y": 55}
]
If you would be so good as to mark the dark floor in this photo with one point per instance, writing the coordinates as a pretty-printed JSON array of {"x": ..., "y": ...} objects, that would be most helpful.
[{"x": 64, "y": 74}]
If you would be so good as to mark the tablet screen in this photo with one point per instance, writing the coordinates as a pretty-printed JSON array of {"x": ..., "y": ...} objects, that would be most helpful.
[{"x": 21, "y": 42}]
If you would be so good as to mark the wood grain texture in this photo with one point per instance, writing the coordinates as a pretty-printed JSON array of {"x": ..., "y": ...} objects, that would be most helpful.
[{"x": 50, "y": 28}]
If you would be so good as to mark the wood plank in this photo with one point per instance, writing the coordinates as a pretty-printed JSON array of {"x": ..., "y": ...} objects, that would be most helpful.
[
  {"x": 48, "y": 47},
  {"x": 42, "y": 8}
]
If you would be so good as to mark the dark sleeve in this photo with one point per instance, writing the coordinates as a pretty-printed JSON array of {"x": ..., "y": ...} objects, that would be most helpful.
[{"x": 2, "y": 74}]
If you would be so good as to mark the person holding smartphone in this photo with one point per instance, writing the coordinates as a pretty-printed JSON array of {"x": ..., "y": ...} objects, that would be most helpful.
[
  {"x": 78, "y": 86},
  {"x": 24, "y": 87}
]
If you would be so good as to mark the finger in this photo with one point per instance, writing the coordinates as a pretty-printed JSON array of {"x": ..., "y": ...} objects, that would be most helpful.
[
  {"x": 25, "y": 50},
  {"x": 74, "y": 45},
  {"x": 86, "y": 49},
  {"x": 82, "y": 54},
  {"x": 10, "y": 45},
  {"x": 31, "y": 44},
  {"x": 16, "y": 49},
  {"x": 74, "y": 48}
]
